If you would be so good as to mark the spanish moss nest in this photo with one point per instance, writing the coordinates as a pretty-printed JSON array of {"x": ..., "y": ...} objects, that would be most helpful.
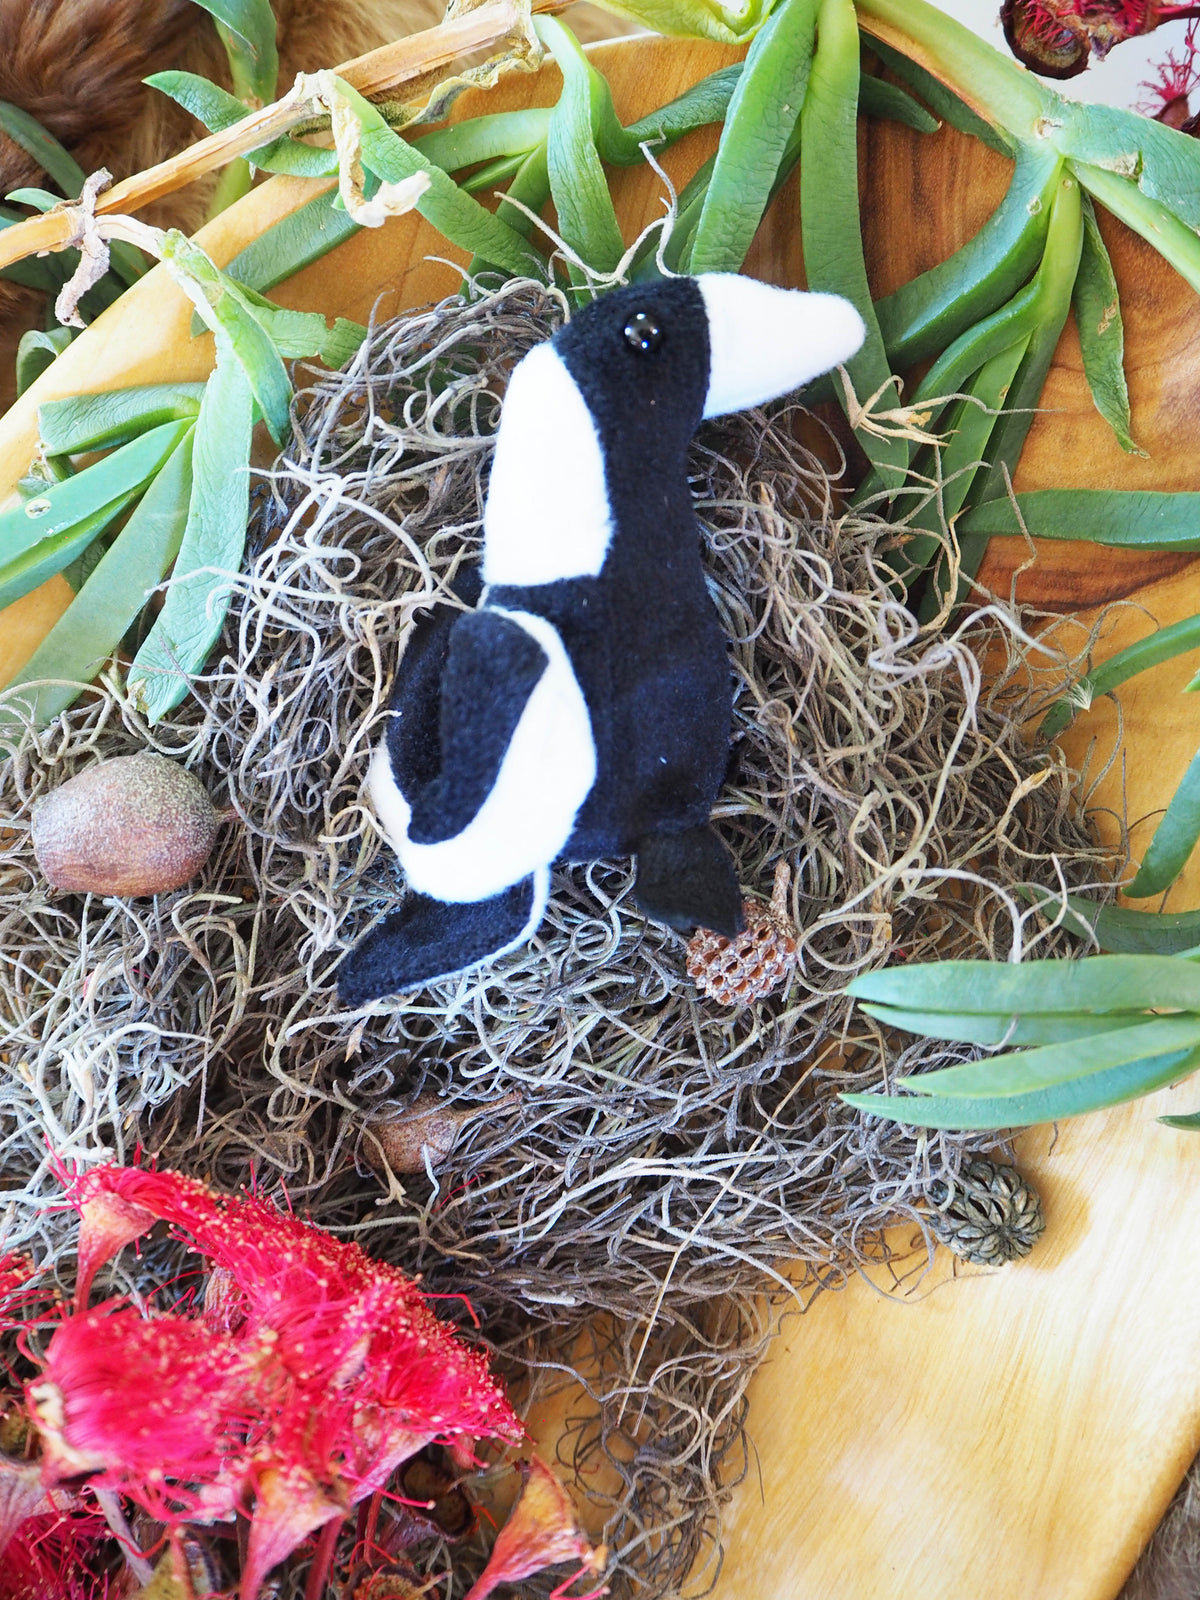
[{"x": 647, "y": 1159}]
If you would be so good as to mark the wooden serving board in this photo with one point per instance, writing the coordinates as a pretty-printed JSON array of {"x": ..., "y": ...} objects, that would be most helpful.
[{"x": 1017, "y": 1433}]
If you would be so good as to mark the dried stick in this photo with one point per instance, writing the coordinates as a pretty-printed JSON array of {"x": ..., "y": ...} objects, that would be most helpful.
[{"x": 377, "y": 72}]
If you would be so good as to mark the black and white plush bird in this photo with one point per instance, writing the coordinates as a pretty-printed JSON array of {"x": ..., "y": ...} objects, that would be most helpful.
[{"x": 582, "y": 710}]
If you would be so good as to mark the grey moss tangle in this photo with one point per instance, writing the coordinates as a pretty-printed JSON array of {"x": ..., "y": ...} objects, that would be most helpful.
[{"x": 647, "y": 1158}]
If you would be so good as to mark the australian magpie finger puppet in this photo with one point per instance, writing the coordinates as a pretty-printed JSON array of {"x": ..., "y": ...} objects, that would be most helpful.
[{"x": 583, "y": 709}]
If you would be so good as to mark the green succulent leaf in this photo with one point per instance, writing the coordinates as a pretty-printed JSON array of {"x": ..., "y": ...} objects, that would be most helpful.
[
  {"x": 763, "y": 112},
  {"x": 1097, "y": 305},
  {"x": 86, "y": 422},
  {"x": 247, "y": 30},
  {"x": 210, "y": 554},
  {"x": 91, "y": 628},
  {"x": 1174, "y": 838},
  {"x": 42, "y": 535}
]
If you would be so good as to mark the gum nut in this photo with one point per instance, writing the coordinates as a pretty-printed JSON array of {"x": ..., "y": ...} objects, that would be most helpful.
[{"x": 130, "y": 826}]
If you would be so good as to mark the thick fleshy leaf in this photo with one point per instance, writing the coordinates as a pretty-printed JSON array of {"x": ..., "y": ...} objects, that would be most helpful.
[
  {"x": 86, "y": 422},
  {"x": 247, "y": 30},
  {"x": 44, "y": 534},
  {"x": 587, "y": 218},
  {"x": 925, "y": 315},
  {"x": 55, "y": 162},
  {"x": 761, "y": 117},
  {"x": 830, "y": 225},
  {"x": 210, "y": 554},
  {"x": 1097, "y": 305},
  {"x": 96, "y": 621}
]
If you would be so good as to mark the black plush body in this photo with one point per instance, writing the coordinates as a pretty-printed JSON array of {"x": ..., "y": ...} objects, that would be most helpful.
[{"x": 616, "y": 656}]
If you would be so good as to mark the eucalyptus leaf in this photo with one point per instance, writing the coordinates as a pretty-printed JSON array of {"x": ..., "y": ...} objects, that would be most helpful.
[
  {"x": 1004, "y": 988},
  {"x": 1046, "y": 1066},
  {"x": 1162, "y": 645},
  {"x": 1120, "y": 929},
  {"x": 1174, "y": 838},
  {"x": 1132, "y": 519},
  {"x": 210, "y": 554},
  {"x": 1041, "y": 1028},
  {"x": 55, "y": 162},
  {"x": 1072, "y": 1099}
]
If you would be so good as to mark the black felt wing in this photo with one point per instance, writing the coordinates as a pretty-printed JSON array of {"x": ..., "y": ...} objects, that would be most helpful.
[{"x": 479, "y": 676}]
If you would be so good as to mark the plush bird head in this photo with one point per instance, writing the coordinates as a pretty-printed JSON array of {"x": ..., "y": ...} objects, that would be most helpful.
[{"x": 618, "y": 393}]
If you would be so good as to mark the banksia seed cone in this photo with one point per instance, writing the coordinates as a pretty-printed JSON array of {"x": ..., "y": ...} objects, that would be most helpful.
[
  {"x": 988, "y": 1215},
  {"x": 755, "y": 964}
]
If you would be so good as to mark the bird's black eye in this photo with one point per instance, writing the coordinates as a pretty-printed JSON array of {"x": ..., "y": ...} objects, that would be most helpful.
[{"x": 643, "y": 331}]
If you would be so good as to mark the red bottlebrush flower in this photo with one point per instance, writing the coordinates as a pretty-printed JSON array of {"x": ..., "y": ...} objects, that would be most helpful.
[
  {"x": 157, "y": 1408},
  {"x": 541, "y": 1532},
  {"x": 57, "y": 1556},
  {"x": 308, "y": 1376},
  {"x": 1168, "y": 92},
  {"x": 1056, "y": 38}
]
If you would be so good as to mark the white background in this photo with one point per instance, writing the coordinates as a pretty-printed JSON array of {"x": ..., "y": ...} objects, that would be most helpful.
[{"x": 1115, "y": 81}]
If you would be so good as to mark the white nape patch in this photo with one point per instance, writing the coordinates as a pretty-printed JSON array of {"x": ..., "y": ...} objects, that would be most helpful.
[
  {"x": 766, "y": 341},
  {"x": 547, "y": 515},
  {"x": 546, "y": 775}
]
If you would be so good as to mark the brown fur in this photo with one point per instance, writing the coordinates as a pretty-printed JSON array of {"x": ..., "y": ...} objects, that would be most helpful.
[{"x": 78, "y": 65}]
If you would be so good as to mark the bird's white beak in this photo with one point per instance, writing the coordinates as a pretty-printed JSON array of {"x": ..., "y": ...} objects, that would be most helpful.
[{"x": 766, "y": 341}]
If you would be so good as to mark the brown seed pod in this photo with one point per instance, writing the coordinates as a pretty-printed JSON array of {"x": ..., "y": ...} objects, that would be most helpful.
[
  {"x": 755, "y": 964},
  {"x": 129, "y": 826},
  {"x": 988, "y": 1215},
  {"x": 430, "y": 1124}
]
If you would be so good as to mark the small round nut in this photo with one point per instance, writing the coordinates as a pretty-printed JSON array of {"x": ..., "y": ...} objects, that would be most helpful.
[{"x": 128, "y": 826}]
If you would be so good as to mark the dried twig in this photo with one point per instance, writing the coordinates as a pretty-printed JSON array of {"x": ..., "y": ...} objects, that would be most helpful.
[{"x": 376, "y": 73}]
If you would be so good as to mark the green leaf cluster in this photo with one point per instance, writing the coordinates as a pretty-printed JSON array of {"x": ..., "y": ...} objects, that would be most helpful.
[{"x": 1097, "y": 1031}]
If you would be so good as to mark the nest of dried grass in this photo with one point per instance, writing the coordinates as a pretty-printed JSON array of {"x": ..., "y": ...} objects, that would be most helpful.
[{"x": 646, "y": 1162}]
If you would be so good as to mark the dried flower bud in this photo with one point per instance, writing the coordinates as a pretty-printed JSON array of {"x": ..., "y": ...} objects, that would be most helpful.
[
  {"x": 755, "y": 964},
  {"x": 988, "y": 1215},
  {"x": 1055, "y": 38},
  {"x": 430, "y": 1126},
  {"x": 129, "y": 826}
]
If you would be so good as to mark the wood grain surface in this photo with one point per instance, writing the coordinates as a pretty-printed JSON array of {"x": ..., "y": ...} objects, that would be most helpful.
[{"x": 1017, "y": 1433}]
